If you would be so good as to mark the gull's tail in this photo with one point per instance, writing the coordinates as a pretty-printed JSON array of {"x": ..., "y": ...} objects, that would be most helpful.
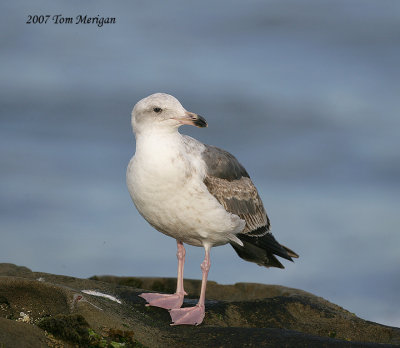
[{"x": 261, "y": 247}]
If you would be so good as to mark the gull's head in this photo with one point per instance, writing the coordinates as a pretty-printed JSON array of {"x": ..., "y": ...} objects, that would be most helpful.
[{"x": 163, "y": 112}]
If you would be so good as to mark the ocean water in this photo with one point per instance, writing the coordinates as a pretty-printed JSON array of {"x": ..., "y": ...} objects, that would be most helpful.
[{"x": 306, "y": 95}]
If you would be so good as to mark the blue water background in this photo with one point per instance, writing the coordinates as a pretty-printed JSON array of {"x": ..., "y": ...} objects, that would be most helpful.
[{"x": 305, "y": 94}]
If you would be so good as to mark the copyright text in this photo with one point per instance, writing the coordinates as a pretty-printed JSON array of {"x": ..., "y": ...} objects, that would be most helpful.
[{"x": 80, "y": 19}]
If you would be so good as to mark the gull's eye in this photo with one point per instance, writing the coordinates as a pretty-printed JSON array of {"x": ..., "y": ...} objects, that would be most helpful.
[{"x": 157, "y": 110}]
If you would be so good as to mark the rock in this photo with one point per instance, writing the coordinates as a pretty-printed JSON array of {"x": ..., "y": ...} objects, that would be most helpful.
[
  {"x": 19, "y": 334},
  {"x": 39, "y": 309}
]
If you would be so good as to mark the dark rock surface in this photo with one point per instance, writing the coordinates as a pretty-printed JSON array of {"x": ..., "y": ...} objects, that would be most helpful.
[{"x": 45, "y": 310}]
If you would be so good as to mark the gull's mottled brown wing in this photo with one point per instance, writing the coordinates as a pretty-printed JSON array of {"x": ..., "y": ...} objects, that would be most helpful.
[
  {"x": 230, "y": 184},
  {"x": 228, "y": 181}
]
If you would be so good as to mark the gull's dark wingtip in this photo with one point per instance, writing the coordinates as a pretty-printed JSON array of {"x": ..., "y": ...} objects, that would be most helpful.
[{"x": 262, "y": 249}]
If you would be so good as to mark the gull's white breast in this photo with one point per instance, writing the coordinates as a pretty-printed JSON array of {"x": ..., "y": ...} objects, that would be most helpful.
[{"x": 165, "y": 180}]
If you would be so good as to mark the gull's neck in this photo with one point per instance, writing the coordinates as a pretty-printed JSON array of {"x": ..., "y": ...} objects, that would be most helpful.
[{"x": 158, "y": 139}]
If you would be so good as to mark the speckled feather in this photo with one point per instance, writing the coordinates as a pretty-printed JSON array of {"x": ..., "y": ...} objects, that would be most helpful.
[
  {"x": 230, "y": 184},
  {"x": 228, "y": 181}
]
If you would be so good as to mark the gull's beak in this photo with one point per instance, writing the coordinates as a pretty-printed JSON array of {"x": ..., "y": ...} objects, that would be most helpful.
[{"x": 192, "y": 119}]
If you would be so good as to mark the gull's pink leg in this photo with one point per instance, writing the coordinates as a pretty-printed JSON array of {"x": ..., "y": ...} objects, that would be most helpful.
[
  {"x": 165, "y": 300},
  {"x": 194, "y": 315},
  {"x": 180, "y": 254}
]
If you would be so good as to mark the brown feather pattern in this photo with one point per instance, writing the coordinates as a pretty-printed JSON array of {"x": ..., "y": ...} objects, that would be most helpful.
[
  {"x": 228, "y": 181},
  {"x": 240, "y": 197}
]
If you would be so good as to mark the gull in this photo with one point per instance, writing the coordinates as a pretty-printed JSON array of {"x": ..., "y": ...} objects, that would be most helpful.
[{"x": 196, "y": 193}]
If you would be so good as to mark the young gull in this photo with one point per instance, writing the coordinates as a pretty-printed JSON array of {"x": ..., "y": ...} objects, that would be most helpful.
[{"x": 196, "y": 193}]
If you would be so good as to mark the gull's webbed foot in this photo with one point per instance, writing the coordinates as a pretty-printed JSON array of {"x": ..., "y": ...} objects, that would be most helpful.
[
  {"x": 187, "y": 315},
  {"x": 166, "y": 301}
]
